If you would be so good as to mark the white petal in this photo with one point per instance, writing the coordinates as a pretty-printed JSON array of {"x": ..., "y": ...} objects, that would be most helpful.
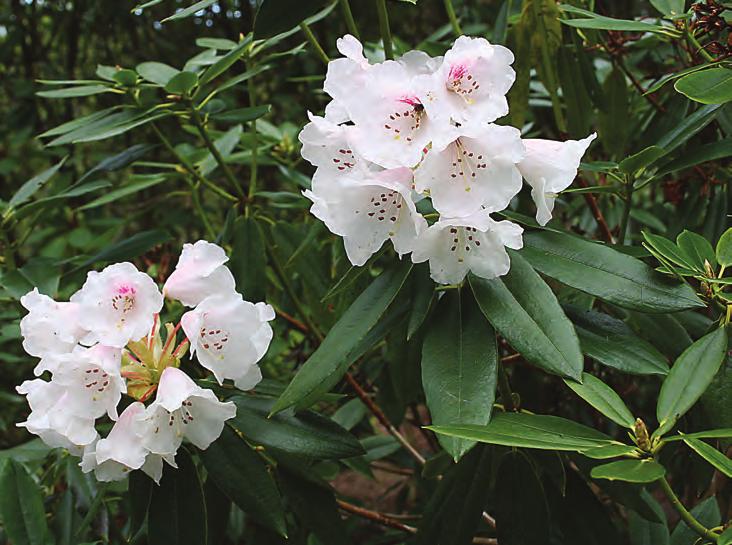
[
  {"x": 471, "y": 84},
  {"x": 368, "y": 211},
  {"x": 228, "y": 334},
  {"x": 474, "y": 243},
  {"x": 207, "y": 417},
  {"x": 550, "y": 167},
  {"x": 200, "y": 272},
  {"x": 117, "y": 305},
  {"x": 478, "y": 170},
  {"x": 123, "y": 445},
  {"x": 49, "y": 328},
  {"x": 249, "y": 379}
]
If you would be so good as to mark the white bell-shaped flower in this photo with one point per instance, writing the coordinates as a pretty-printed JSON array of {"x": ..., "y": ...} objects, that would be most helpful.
[
  {"x": 327, "y": 146},
  {"x": 470, "y": 85},
  {"x": 477, "y": 170},
  {"x": 476, "y": 243},
  {"x": 368, "y": 211},
  {"x": 113, "y": 457},
  {"x": 117, "y": 305},
  {"x": 229, "y": 336},
  {"x": 550, "y": 167},
  {"x": 391, "y": 127},
  {"x": 92, "y": 379},
  {"x": 49, "y": 328},
  {"x": 200, "y": 272},
  {"x": 50, "y": 418},
  {"x": 182, "y": 409}
]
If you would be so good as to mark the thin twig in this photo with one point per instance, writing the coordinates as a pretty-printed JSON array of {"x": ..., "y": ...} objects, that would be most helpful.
[
  {"x": 383, "y": 420},
  {"x": 597, "y": 213},
  {"x": 389, "y": 522}
]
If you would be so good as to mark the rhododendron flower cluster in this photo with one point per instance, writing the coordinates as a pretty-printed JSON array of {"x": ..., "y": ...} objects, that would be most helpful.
[
  {"x": 421, "y": 127},
  {"x": 106, "y": 342}
]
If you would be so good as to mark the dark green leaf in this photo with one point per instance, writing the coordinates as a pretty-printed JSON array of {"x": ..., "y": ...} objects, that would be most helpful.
[
  {"x": 315, "y": 506},
  {"x": 689, "y": 377},
  {"x": 21, "y": 506},
  {"x": 725, "y": 538},
  {"x": 305, "y": 434},
  {"x": 28, "y": 189},
  {"x": 724, "y": 249},
  {"x": 688, "y": 127},
  {"x": 240, "y": 473},
  {"x": 459, "y": 366},
  {"x": 710, "y": 454},
  {"x": 611, "y": 342},
  {"x": 522, "y": 499},
  {"x": 453, "y": 514},
  {"x": 641, "y": 160},
  {"x": 712, "y": 86},
  {"x": 606, "y": 273},
  {"x": 249, "y": 259},
  {"x": 603, "y": 398},
  {"x": 327, "y": 365},
  {"x": 697, "y": 155},
  {"x": 128, "y": 248},
  {"x": 177, "y": 514},
  {"x": 706, "y": 512},
  {"x": 525, "y": 311},
  {"x": 224, "y": 63},
  {"x": 424, "y": 295},
  {"x": 608, "y": 23},
  {"x": 669, "y": 7},
  {"x": 648, "y": 532},
  {"x": 530, "y": 431},
  {"x": 613, "y": 125},
  {"x": 697, "y": 248},
  {"x": 157, "y": 72},
  {"x": 182, "y": 83},
  {"x": 71, "y": 92},
  {"x": 190, "y": 10},
  {"x": 129, "y": 189},
  {"x": 632, "y": 471},
  {"x": 125, "y": 77},
  {"x": 243, "y": 115},
  {"x": 719, "y": 433}
]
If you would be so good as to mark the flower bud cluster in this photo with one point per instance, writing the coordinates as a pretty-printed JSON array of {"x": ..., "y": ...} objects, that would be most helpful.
[
  {"x": 400, "y": 131},
  {"x": 105, "y": 342}
]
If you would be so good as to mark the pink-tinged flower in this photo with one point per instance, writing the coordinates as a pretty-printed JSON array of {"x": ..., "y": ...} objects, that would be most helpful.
[
  {"x": 49, "y": 328},
  {"x": 328, "y": 146},
  {"x": 113, "y": 457},
  {"x": 471, "y": 84},
  {"x": 368, "y": 211},
  {"x": 229, "y": 336},
  {"x": 550, "y": 167},
  {"x": 200, "y": 272},
  {"x": 51, "y": 420},
  {"x": 181, "y": 410},
  {"x": 92, "y": 380},
  {"x": 477, "y": 170},
  {"x": 391, "y": 127},
  {"x": 117, "y": 305},
  {"x": 476, "y": 243}
]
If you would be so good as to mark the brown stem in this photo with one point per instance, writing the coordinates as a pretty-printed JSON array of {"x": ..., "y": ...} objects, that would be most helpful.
[
  {"x": 389, "y": 522},
  {"x": 597, "y": 213},
  {"x": 383, "y": 420}
]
